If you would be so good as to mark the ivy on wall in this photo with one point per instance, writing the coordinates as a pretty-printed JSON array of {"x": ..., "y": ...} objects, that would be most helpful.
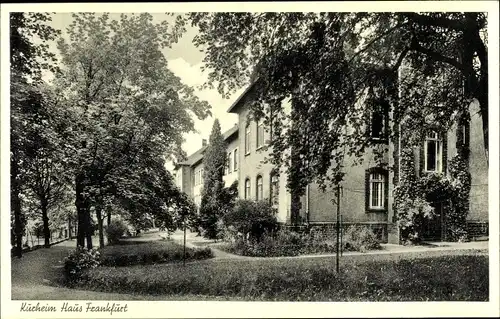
[
  {"x": 414, "y": 195},
  {"x": 409, "y": 202},
  {"x": 456, "y": 217}
]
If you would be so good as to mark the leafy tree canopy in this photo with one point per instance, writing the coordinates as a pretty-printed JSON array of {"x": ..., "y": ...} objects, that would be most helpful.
[
  {"x": 123, "y": 107},
  {"x": 329, "y": 64}
]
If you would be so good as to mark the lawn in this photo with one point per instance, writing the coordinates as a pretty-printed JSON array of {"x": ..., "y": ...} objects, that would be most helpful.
[{"x": 392, "y": 278}]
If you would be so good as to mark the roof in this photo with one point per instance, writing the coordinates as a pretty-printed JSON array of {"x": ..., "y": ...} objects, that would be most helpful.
[
  {"x": 197, "y": 156},
  {"x": 236, "y": 103}
]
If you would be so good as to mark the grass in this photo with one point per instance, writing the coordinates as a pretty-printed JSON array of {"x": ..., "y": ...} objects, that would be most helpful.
[
  {"x": 415, "y": 278},
  {"x": 132, "y": 252}
]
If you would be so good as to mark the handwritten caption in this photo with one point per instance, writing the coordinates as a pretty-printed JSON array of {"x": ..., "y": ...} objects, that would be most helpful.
[{"x": 110, "y": 307}]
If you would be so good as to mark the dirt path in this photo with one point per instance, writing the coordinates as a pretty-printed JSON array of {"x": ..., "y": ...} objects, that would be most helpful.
[
  {"x": 388, "y": 250},
  {"x": 36, "y": 275}
]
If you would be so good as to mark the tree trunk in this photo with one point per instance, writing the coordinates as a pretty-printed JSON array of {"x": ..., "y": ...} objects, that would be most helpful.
[
  {"x": 109, "y": 217},
  {"x": 83, "y": 213},
  {"x": 16, "y": 207},
  {"x": 88, "y": 233},
  {"x": 295, "y": 209},
  {"x": 100, "y": 221},
  {"x": 69, "y": 228},
  {"x": 45, "y": 219},
  {"x": 18, "y": 227}
]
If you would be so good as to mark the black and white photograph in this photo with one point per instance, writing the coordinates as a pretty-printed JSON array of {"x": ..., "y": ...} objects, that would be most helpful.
[{"x": 250, "y": 154}]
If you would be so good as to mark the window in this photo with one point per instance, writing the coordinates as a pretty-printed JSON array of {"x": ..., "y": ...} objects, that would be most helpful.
[
  {"x": 260, "y": 133},
  {"x": 378, "y": 121},
  {"x": 228, "y": 164},
  {"x": 377, "y": 185},
  {"x": 198, "y": 177},
  {"x": 247, "y": 188},
  {"x": 247, "y": 139},
  {"x": 433, "y": 150},
  {"x": 259, "y": 194},
  {"x": 274, "y": 189},
  {"x": 235, "y": 163}
]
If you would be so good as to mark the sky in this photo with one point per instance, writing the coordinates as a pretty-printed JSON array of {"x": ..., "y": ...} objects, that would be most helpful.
[{"x": 185, "y": 60}]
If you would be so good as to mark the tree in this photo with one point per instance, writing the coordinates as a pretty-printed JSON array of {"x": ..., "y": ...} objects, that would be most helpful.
[
  {"x": 332, "y": 66},
  {"x": 122, "y": 100},
  {"x": 46, "y": 178},
  {"x": 148, "y": 194},
  {"x": 213, "y": 183},
  {"x": 27, "y": 60}
]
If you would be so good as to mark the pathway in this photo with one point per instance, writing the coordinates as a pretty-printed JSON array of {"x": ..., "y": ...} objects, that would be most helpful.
[
  {"x": 432, "y": 248},
  {"x": 35, "y": 276}
]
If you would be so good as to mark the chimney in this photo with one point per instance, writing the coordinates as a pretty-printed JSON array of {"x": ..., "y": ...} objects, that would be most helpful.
[{"x": 203, "y": 142}]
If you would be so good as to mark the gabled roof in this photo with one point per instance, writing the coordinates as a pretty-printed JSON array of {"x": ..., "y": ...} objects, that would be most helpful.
[
  {"x": 197, "y": 156},
  {"x": 236, "y": 103}
]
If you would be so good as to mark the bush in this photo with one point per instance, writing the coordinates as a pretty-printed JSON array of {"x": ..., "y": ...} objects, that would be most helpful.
[
  {"x": 360, "y": 238},
  {"x": 79, "y": 260},
  {"x": 289, "y": 243},
  {"x": 252, "y": 219},
  {"x": 144, "y": 253},
  {"x": 282, "y": 243},
  {"x": 115, "y": 231}
]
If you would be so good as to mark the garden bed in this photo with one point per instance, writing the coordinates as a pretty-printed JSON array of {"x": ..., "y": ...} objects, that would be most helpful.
[
  {"x": 131, "y": 252},
  {"x": 288, "y": 243},
  {"x": 455, "y": 277}
]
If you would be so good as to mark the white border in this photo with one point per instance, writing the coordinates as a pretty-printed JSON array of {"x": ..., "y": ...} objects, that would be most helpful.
[{"x": 149, "y": 309}]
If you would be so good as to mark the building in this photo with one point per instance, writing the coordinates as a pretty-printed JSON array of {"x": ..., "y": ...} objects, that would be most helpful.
[
  {"x": 366, "y": 189},
  {"x": 189, "y": 173}
]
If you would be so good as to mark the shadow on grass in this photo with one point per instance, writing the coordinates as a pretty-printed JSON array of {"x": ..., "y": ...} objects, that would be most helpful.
[{"x": 131, "y": 242}]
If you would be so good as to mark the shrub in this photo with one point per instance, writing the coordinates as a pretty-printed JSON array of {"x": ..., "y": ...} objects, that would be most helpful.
[
  {"x": 289, "y": 243},
  {"x": 252, "y": 219},
  {"x": 115, "y": 231},
  {"x": 282, "y": 243},
  {"x": 360, "y": 238},
  {"x": 79, "y": 260},
  {"x": 156, "y": 252}
]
